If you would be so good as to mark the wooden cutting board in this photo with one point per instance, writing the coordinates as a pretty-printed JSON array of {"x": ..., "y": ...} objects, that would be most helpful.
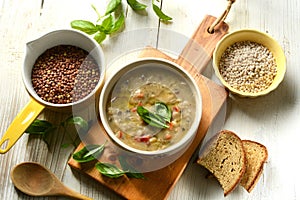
[{"x": 158, "y": 184}]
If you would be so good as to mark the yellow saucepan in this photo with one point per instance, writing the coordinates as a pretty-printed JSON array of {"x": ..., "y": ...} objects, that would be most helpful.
[{"x": 36, "y": 104}]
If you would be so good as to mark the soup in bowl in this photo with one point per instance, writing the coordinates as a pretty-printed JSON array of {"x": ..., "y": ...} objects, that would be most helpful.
[{"x": 151, "y": 107}]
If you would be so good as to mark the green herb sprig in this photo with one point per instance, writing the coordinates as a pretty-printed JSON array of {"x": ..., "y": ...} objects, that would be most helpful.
[
  {"x": 131, "y": 172},
  {"x": 92, "y": 152},
  {"x": 44, "y": 128},
  {"x": 162, "y": 16},
  {"x": 113, "y": 19},
  {"x": 163, "y": 111},
  {"x": 159, "y": 118},
  {"x": 109, "y": 170},
  {"x": 135, "y": 5},
  {"x": 112, "y": 171},
  {"x": 108, "y": 26},
  {"x": 88, "y": 153}
]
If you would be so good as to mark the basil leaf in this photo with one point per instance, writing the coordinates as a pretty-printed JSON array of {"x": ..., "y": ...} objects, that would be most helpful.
[
  {"x": 132, "y": 172},
  {"x": 107, "y": 24},
  {"x": 136, "y": 175},
  {"x": 88, "y": 153},
  {"x": 112, "y": 6},
  {"x": 84, "y": 26},
  {"x": 163, "y": 110},
  {"x": 77, "y": 121},
  {"x": 162, "y": 16},
  {"x": 99, "y": 37},
  {"x": 47, "y": 136},
  {"x": 109, "y": 170},
  {"x": 118, "y": 23},
  {"x": 135, "y": 5},
  {"x": 151, "y": 118},
  {"x": 39, "y": 127}
]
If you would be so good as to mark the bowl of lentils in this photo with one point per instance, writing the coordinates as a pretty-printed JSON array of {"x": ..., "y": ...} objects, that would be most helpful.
[
  {"x": 249, "y": 63},
  {"x": 64, "y": 69}
]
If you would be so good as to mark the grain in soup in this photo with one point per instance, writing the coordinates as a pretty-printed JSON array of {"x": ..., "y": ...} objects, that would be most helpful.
[
  {"x": 144, "y": 87},
  {"x": 248, "y": 66},
  {"x": 64, "y": 74}
]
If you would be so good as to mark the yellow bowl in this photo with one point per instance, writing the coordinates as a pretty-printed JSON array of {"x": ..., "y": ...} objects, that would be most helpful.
[{"x": 254, "y": 36}]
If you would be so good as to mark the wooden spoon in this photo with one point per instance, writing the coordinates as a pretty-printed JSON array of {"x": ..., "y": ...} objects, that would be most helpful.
[{"x": 35, "y": 180}]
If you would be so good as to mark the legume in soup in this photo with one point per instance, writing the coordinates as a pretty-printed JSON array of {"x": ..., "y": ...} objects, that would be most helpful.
[
  {"x": 64, "y": 74},
  {"x": 248, "y": 66},
  {"x": 144, "y": 87}
]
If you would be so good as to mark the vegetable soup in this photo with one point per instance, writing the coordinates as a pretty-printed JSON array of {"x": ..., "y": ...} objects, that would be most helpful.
[{"x": 151, "y": 109}]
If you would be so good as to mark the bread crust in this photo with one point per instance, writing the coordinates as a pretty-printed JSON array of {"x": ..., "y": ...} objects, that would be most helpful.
[
  {"x": 250, "y": 186},
  {"x": 209, "y": 148}
]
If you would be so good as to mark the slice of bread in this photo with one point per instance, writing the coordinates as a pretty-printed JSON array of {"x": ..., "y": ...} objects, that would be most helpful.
[
  {"x": 225, "y": 158},
  {"x": 256, "y": 155}
]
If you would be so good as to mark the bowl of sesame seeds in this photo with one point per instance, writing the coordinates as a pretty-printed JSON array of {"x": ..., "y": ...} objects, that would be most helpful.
[{"x": 249, "y": 63}]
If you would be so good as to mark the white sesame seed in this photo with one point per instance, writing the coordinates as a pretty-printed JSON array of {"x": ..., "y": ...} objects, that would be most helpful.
[{"x": 248, "y": 66}]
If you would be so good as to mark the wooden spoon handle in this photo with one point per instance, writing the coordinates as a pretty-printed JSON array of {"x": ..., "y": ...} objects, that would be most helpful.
[
  {"x": 62, "y": 190},
  {"x": 73, "y": 194}
]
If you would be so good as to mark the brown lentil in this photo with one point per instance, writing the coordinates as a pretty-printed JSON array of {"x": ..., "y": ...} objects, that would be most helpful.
[
  {"x": 248, "y": 66},
  {"x": 64, "y": 74}
]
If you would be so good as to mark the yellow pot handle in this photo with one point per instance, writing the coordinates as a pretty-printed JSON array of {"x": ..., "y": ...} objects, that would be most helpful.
[{"x": 22, "y": 121}]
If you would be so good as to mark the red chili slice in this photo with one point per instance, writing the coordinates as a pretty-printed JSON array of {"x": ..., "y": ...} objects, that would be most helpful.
[{"x": 144, "y": 138}]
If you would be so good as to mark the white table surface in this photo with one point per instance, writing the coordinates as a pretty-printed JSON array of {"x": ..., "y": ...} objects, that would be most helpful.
[{"x": 272, "y": 120}]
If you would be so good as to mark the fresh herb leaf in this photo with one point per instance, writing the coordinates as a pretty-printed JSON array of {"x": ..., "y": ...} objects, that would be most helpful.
[
  {"x": 110, "y": 24},
  {"x": 46, "y": 136},
  {"x": 109, "y": 170},
  {"x": 132, "y": 172},
  {"x": 107, "y": 24},
  {"x": 44, "y": 128},
  {"x": 112, "y": 6},
  {"x": 39, "y": 127},
  {"x": 151, "y": 118},
  {"x": 79, "y": 121},
  {"x": 88, "y": 153},
  {"x": 99, "y": 37},
  {"x": 162, "y": 16},
  {"x": 135, "y": 5},
  {"x": 81, "y": 127},
  {"x": 136, "y": 175},
  {"x": 84, "y": 26},
  {"x": 163, "y": 110},
  {"x": 118, "y": 23}
]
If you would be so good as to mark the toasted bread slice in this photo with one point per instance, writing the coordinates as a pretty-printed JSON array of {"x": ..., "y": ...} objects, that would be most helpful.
[
  {"x": 225, "y": 158},
  {"x": 256, "y": 156}
]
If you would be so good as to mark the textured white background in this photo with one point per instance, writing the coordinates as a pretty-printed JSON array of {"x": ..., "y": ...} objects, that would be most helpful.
[{"x": 272, "y": 120}]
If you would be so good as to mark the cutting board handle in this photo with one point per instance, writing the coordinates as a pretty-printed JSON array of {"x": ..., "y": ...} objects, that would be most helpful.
[{"x": 199, "y": 49}]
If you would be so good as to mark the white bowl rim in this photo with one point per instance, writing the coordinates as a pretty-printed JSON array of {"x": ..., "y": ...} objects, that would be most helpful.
[
  {"x": 101, "y": 66},
  {"x": 173, "y": 148}
]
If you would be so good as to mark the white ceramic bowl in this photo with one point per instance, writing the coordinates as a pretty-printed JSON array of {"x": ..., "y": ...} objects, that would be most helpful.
[
  {"x": 174, "y": 151},
  {"x": 36, "y": 104},
  {"x": 62, "y": 37}
]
